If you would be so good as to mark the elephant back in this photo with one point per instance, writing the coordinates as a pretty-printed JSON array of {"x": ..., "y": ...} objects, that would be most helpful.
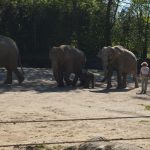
[
  {"x": 67, "y": 57},
  {"x": 75, "y": 57},
  {"x": 127, "y": 60},
  {"x": 8, "y": 51}
]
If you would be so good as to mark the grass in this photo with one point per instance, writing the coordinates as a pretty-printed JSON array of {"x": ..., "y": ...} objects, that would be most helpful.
[
  {"x": 143, "y": 121},
  {"x": 148, "y": 54},
  {"x": 147, "y": 107}
]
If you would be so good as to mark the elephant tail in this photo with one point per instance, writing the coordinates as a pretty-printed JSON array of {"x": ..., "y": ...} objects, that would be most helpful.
[{"x": 19, "y": 61}]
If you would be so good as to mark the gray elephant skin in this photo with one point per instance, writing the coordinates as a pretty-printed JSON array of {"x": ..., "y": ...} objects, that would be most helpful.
[
  {"x": 87, "y": 79},
  {"x": 9, "y": 56},
  {"x": 121, "y": 60},
  {"x": 65, "y": 60}
]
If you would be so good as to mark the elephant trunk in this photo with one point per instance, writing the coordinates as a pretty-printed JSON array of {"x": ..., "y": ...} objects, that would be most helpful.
[
  {"x": 19, "y": 59},
  {"x": 105, "y": 71}
]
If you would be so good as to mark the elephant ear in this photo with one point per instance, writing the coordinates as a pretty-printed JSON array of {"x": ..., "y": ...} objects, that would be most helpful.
[
  {"x": 119, "y": 48},
  {"x": 116, "y": 51}
]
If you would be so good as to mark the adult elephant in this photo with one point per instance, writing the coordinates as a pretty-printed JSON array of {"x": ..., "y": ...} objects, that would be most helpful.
[
  {"x": 122, "y": 61},
  {"x": 9, "y": 56},
  {"x": 65, "y": 60}
]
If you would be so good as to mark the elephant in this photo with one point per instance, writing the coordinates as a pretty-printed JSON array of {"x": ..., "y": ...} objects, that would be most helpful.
[
  {"x": 121, "y": 60},
  {"x": 87, "y": 79},
  {"x": 65, "y": 60},
  {"x": 9, "y": 57}
]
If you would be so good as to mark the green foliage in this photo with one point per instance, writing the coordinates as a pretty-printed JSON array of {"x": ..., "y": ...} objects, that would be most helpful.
[
  {"x": 37, "y": 25},
  {"x": 146, "y": 107},
  {"x": 133, "y": 27}
]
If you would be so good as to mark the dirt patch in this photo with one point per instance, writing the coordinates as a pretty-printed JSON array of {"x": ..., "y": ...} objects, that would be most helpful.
[{"x": 38, "y": 98}]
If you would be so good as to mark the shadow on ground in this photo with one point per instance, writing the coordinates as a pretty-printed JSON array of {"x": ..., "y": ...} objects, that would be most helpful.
[
  {"x": 110, "y": 90},
  {"x": 42, "y": 80},
  {"x": 142, "y": 96},
  {"x": 36, "y": 79}
]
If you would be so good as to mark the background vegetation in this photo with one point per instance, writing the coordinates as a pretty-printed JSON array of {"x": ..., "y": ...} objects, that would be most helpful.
[{"x": 37, "y": 25}]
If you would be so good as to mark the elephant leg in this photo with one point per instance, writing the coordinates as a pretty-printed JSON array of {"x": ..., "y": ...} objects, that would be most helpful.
[
  {"x": 59, "y": 78},
  {"x": 119, "y": 79},
  {"x": 19, "y": 76},
  {"x": 82, "y": 81},
  {"x": 109, "y": 75},
  {"x": 105, "y": 75},
  {"x": 75, "y": 80},
  {"x": 136, "y": 81},
  {"x": 93, "y": 84},
  {"x": 67, "y": 79},
  {"x": 61, "y": 82},
  {"x": 104, "y": 79},
  {"x": 124, "y": 81},
  {"x": 9, "y": 77},
  {"x": 56, "y": 76},
  {"x": 89, "y": 82},
  {"x": 86, "y": 84}
]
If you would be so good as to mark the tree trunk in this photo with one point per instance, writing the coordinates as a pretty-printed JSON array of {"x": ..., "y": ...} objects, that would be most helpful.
[
  {"x": 108, "y": 26},
  {"x": 147, "y": 27}
]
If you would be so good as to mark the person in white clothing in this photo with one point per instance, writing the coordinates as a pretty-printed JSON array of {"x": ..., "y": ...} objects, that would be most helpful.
[{"x": 144, "y": 73}]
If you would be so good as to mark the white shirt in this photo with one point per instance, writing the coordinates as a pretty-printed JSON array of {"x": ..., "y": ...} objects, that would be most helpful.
[{"x": 144, "y": 70}]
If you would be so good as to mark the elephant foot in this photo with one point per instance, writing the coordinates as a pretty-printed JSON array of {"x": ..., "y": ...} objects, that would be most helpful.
[
  {"x": 86, "y": 87},
  {"x": 124, "y": 86},
  {"x": 74, "y": 84},
  {"x": 103, "y": 80},
  {"x": 68, "y": 83},
  {"x": 119, "y": 87},
  {"x": 81, "y": 83},
  {"x": 21, "y": 80},
  {"x": 109, "y": 86},
  {"x": 136, "y": 86},
  {"x": 7, "y": 82},
  {"x": 60, "y": 85},
  {"x": 92, "y": 86}
]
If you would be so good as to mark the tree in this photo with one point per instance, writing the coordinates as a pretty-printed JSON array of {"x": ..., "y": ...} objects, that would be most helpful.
[{"x": 111, "y": 11}]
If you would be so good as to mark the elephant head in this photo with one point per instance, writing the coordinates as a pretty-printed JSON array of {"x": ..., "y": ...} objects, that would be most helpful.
[
  {"x": 108, "y": 55},
  {"x": 87, "y": 79},
  {"x": 55, "y": 52}
]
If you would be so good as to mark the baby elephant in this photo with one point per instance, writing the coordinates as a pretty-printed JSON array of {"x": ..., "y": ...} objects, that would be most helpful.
[{"x": 87, "y": 79}]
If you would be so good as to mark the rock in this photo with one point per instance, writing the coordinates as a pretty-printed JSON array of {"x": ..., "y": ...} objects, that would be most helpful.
[{"x": 101, "y": 143}]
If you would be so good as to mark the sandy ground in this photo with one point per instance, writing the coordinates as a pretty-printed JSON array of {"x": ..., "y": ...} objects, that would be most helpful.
[{"x": 38, "y": 98}]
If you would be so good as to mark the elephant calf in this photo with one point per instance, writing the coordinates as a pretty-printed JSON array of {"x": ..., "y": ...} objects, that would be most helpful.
[
  {"x": 9, "y": 55},
  {"x": 87, "y": 79}
]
